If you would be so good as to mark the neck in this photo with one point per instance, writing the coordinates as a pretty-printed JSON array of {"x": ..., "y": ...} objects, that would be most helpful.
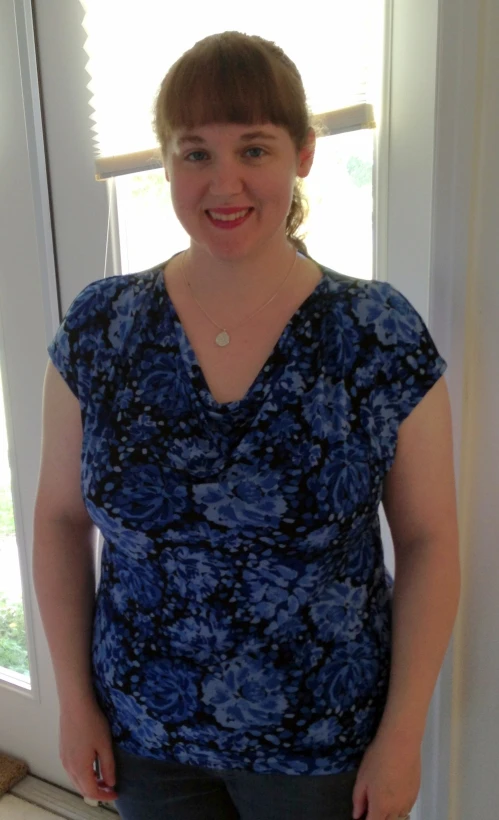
[{"x": 225, "y": 280}]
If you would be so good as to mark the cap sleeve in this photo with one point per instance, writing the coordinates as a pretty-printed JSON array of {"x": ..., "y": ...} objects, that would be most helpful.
[
  {"x": 73, "y": 347},
  {"x": 402, "y": 361}
]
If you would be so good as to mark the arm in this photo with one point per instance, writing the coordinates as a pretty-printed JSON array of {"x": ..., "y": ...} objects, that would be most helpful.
[
  {"x": 64, "y": 579},
  {"x": 420, "y": 506},
  {"x": 64, "y": 540}
]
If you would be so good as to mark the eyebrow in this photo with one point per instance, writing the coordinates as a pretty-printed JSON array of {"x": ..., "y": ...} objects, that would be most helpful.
[{"x": 250, "y": 135}]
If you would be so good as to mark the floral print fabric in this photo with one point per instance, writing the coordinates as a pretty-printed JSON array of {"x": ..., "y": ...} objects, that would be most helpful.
[{"x": 243, "y": 615}]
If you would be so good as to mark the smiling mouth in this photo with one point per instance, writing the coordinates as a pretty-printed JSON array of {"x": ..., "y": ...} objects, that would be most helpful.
[
  {"x": 228, "y": 221},
  {"x": 217, "y": 216}
]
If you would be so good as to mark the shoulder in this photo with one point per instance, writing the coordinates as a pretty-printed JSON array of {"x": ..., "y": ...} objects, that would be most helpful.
[
  {"x": 101, "y": 316},
  {"x": 375, "y": 308},
  {"x": 96, "y": 326},
  {"x": 355, "y": 292},
  {"x": 109, "y": 298}
]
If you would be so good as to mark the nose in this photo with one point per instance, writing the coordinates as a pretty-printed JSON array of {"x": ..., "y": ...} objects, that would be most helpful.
[{"x": 226, "y": 178}]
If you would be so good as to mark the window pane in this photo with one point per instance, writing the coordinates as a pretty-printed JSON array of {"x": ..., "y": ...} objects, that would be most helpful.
[
  {"x": 338, "y": 231},
  {"x": 340, "y": 192},
  {"x": 148, "y": 227},
  {"x": 13, "y": 645},
  {"x": 337, "y": 47}
]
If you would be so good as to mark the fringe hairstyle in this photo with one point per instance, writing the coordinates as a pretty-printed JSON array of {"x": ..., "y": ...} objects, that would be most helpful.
[{"x": 233, "y": 77}]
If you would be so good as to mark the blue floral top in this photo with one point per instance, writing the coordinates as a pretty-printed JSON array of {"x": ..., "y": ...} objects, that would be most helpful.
[{"x": 243, "y": 615}]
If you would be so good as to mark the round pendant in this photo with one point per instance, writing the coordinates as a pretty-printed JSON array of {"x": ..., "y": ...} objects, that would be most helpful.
[{"x": 222, "y": 339}]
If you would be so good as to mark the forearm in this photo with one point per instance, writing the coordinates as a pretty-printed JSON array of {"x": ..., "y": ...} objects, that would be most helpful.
[
  {"x": 64, "y": 579},
  {"x": 425, "y": 603}
]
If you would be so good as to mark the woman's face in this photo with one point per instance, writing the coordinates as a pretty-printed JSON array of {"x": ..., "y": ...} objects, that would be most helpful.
[{"x": 224, "y": 166}]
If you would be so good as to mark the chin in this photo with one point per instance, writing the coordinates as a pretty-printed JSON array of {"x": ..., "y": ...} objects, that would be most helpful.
[{"x": 226, "y": 249}]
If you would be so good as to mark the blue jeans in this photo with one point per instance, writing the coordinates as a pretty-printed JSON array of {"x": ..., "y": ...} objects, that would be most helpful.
[{"x": 156, "y": 790}]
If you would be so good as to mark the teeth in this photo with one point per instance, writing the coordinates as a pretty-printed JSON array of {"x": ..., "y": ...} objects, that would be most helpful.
[{"x": 229, "y": 217}]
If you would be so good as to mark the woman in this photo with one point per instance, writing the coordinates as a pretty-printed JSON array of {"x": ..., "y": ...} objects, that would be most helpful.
[{"x": 239, "y": 413}]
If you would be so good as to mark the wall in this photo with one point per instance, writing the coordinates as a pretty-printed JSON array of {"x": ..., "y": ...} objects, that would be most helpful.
[{"x": 474, "y": 781}]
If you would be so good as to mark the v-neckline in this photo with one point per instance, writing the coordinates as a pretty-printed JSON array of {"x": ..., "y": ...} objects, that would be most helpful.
[{"x": 194, "y": 371}]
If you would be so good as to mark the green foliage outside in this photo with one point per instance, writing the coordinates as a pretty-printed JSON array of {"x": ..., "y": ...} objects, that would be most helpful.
[
  {"x": 13, "y": 646},
  {"x": 360, "y": 171},
  {"x": 150, "y": 182}
]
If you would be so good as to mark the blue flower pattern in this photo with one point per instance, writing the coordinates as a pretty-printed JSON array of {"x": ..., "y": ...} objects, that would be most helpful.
[{"x": 243, "y": 616}]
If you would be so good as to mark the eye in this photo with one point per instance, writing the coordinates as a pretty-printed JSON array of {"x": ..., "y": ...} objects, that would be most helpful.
[
  {"x": 256, "y": 148},
  {"x": 192, "y": 154},
  {"x": 253, "y": 148}
]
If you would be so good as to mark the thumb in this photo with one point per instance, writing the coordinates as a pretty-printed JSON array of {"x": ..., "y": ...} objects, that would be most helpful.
[
  {"x": 359, "y": 805},
  {"x": 107, "y": 764}
]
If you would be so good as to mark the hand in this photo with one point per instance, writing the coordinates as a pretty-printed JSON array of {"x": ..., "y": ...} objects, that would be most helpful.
[
  {"x": 389, "y": 778},
  {"x": 85, "y": 735}
]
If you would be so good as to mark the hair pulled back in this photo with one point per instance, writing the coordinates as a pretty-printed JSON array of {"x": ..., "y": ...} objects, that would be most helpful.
[{"x": 233, "y": 77}]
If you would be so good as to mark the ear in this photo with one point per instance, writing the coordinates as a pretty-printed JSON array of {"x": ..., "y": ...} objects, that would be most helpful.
[
  {"x": 164, "y": 159},
  {"x": 306, "y": 155}
]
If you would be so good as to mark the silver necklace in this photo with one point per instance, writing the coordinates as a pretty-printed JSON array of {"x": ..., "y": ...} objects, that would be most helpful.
[{"x": 222, "y": 339}]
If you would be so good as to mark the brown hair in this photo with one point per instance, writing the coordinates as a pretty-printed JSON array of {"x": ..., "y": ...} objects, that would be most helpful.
[{"x": 233, "y": 77}]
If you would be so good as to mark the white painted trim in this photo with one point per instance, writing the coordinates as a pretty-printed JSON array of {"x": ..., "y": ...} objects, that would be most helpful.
[
  {"x": 408, "y": 128},
  {"x": 14, "y": 680},
  {"x": 38, "y": 170},
  {"x": 28, "y": 71},
  {"x": 455, "y": 104},
  {"x": 381, "y": 154},
  {"x": 115, "y": 262},
  {"x": 28, "y": 729},
  {"x": 60, "y": 801},
  {"x": 457, "y": 101},
  {"x": 423, "y": 219},
  {"x": 404, "y": 205}
]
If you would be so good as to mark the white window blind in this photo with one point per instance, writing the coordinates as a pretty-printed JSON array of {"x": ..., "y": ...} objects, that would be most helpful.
[{"x": 335, "y": 45}]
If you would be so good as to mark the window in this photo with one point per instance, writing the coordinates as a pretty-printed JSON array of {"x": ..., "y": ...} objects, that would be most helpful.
[
  {"x": 13, "y": 644},
  {"x": 339, "y": 228},
  {"x": 341, "y": 67}
]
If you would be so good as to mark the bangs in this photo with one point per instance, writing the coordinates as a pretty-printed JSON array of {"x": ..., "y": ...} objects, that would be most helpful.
[{"x": 231, "y": 82}]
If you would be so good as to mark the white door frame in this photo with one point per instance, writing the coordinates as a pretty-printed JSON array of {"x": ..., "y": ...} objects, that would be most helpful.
[
  {"x": 29, "y": 313},
  {"x": 457, "y": 101},
  {"x": 430, "y": 150}
]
